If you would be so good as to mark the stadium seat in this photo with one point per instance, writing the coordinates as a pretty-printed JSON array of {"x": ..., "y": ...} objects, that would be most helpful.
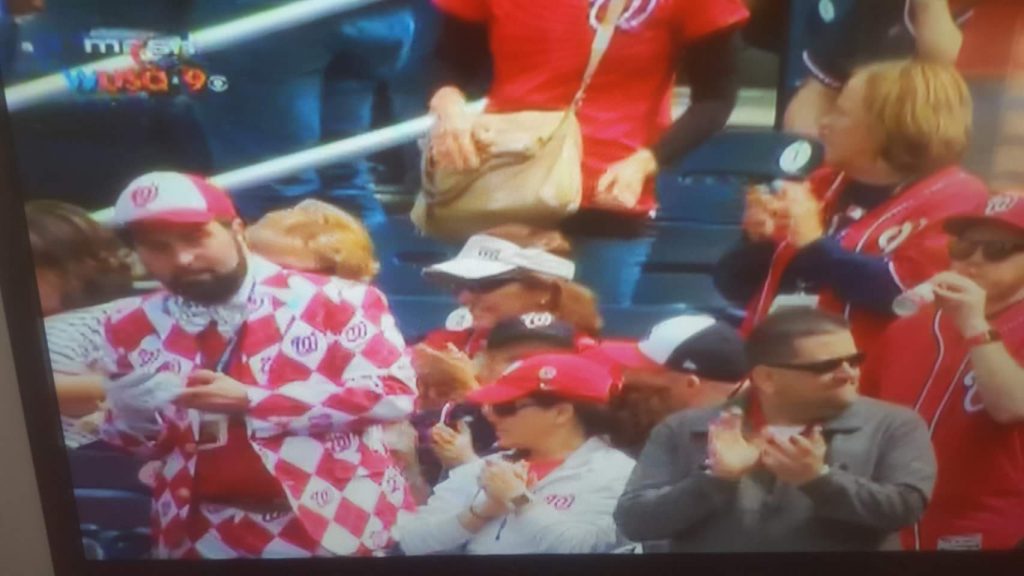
[
  {"x": 418, "y": 315},
  {"x": 707, "y": 186},
  {"x": 112, "y": 509},
  {"x": 403, "y": 253},
  {"x": 134, "y": 544},
  {"x": 105, "y": 469}
]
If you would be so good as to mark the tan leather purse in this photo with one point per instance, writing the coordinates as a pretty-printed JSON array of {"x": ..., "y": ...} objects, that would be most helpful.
[{"x": 530, "y": 168}]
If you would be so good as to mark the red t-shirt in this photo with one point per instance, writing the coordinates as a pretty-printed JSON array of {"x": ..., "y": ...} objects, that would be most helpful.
[
  {"x": 541, "y": 48},
  {"x": 924, "y": 363},
  {"x": 989, "y": 39}
]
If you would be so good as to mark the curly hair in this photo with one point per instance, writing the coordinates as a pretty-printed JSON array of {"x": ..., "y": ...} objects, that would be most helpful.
[
  {"x": 92, "y": 265},
  {"x": 338, "y": 243}
]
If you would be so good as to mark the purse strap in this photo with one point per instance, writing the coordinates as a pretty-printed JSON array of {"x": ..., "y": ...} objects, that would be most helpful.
[{"x": 602, "y": 39}]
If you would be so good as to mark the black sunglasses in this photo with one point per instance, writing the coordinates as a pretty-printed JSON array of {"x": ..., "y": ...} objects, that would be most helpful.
[
  {"x": 508, "y": 409},
  {"x": 991, "y": 250},
  {"x": 823, "y": 367}
]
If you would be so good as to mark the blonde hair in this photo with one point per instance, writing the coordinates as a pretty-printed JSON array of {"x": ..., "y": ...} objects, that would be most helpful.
[
  {"x": 923, "y": 111},
  {"x": 339, "y": 243},
  {"x": 571, "y": 301}
]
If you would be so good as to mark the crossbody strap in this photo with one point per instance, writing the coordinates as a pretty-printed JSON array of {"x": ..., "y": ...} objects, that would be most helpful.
[{"x": 602, "y": 39}]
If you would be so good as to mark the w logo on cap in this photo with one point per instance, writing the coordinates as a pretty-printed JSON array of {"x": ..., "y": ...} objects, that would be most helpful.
[
  {"x": 144, "y": 195},
  {"x": 1000, "y": 204},
  {"x": 537, "y": 319}
]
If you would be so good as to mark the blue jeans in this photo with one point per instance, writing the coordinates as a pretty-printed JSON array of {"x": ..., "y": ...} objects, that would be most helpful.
[
  {"x": 294, "y": 89},
  {"x": 610, "y": 267}
]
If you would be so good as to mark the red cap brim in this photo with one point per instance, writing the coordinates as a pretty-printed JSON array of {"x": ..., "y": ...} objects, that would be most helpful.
[
  {"x": 496, "y": 394},
  {"x": 625, "y": 355},
  {"x": 174, "y": 217}
]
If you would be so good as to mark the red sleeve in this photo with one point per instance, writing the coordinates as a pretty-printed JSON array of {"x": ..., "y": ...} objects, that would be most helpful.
[
  {"x": 471, "y": 10},
  {"x": 697, "y": 18}
]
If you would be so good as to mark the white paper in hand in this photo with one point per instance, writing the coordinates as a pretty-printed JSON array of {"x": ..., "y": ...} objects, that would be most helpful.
[{"x": 136, "y": 399}]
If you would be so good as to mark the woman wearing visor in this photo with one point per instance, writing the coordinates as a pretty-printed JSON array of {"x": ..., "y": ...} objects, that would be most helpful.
[
  {"x": 555, "y": 488},
  {"x": 502, "y": 273}
]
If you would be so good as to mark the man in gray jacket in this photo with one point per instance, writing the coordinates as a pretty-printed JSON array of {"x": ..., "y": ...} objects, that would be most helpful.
[{"x": 799, "y": 463}]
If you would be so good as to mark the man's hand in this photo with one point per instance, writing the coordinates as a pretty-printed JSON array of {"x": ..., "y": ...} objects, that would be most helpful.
[
  {"x": 210, "y": 391},
  {"x": 730, "y": 455},
  {"x": 801, "y": 216},
  {"x": 622, "y": 184},
  {"x": 963, "y": 300},
  {"x": 795, "y": 460},
  {"x": 453, "y": 448},
  {"x": 442, "y": 376},
  {"x": 502, "y": 481}
]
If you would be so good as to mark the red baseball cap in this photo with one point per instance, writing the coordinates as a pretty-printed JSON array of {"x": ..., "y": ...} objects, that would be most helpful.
[
  {"x": 569, "y": 376},
  {"x": 172, "y": 198},
  {"x": 1007, "y": 208}
]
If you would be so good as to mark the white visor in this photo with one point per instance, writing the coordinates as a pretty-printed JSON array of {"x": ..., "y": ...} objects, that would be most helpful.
[{"x": 485, "y": 256}]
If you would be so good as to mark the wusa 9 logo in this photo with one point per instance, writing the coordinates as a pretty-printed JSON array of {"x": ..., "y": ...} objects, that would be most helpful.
[{"x": 157, "y": 66}]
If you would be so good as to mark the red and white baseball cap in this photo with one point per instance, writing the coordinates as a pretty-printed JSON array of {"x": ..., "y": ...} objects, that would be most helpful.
[
  {"x": 1007, "y": 208},
  {"x": 572, "y": 377},
  {"x": 172, "y": 198}
]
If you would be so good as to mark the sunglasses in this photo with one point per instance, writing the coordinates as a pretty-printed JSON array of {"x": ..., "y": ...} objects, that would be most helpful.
[
  {"x": 508, "y": 409},
  {"x": 991, "y": 250},
  {"x": 823, "y": 367}
]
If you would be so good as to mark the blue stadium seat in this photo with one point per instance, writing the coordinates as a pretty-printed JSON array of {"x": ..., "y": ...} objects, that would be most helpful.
[
  {"x": 690, "y": 247},
  {"x": 708, "y": 185},
  {"x": 133, "y": 544},
  {"x": 105, "y": 469},
  {"x": 112, "y": 509},
  {"x": 418, "y": 315},
  {"x": 403, "y": 254}
]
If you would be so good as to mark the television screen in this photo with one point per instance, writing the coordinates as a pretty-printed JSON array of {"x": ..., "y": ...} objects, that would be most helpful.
[{"x": 348, "y": 283}]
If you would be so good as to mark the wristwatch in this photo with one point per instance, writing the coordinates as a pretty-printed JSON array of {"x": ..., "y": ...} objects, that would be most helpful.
[
  {"x": 521, "y": 500},
  {"x": 987, "y": 337}
]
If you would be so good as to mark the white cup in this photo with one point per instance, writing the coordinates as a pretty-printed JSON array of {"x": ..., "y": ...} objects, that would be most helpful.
[{"x": 908, "y": 303}]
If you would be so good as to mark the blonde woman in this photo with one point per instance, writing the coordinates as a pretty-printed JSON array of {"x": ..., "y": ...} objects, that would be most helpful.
[
  {"x": 316, "y": 237},
  {"x": 867, "y": 226}
]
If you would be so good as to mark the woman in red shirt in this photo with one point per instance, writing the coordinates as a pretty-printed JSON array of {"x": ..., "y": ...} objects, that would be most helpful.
[
  {"x": 539, "y": 52},
  {"x": 868, "y": 225}
]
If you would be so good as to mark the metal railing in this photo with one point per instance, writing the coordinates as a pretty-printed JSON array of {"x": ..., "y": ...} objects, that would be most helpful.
[
  {"x": 319, "y": 156},
  {"x": 212, "y": 39}
]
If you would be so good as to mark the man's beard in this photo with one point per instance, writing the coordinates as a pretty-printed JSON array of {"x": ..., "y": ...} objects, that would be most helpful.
[{"x": 218, "y": 288}]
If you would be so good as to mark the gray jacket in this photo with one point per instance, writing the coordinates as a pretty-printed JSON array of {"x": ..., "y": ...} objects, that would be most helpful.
[{"x": 882, "y": 471}]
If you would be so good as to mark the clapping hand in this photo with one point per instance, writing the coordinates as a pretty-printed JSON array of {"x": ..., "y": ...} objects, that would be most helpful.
[
  {"x": 801, "y": 217},
  {"x": 502, "y": 481},
  {"x": 730, "y": 454},
  {"x": 453, "y": 447},
  {"x": 794, "y": 459},
  {"x": 442, "y": 376}
]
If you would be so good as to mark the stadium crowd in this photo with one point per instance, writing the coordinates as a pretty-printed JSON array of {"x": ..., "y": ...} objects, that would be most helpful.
[{"x": 873, "y": 399}]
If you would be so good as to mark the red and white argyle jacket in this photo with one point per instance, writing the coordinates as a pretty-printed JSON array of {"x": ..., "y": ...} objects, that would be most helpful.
[{"x": 327, "y": 367}]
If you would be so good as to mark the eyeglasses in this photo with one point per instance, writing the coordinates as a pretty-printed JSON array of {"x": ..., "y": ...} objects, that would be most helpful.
[
  {"x": 823, "y": 367},
  {"x": 509, "y": 409},
  {"x": 991, "y": 250}
]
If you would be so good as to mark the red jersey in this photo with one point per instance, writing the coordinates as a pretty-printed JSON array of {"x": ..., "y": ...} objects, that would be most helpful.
[
  {"x": 540, "y": 51},
  {"x": 906, "y": 230},
  {"x": 924, "y": 363}
]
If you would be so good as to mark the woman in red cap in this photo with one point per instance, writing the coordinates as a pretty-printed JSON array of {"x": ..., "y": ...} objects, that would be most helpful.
[{"x": 555, "y": 487}]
